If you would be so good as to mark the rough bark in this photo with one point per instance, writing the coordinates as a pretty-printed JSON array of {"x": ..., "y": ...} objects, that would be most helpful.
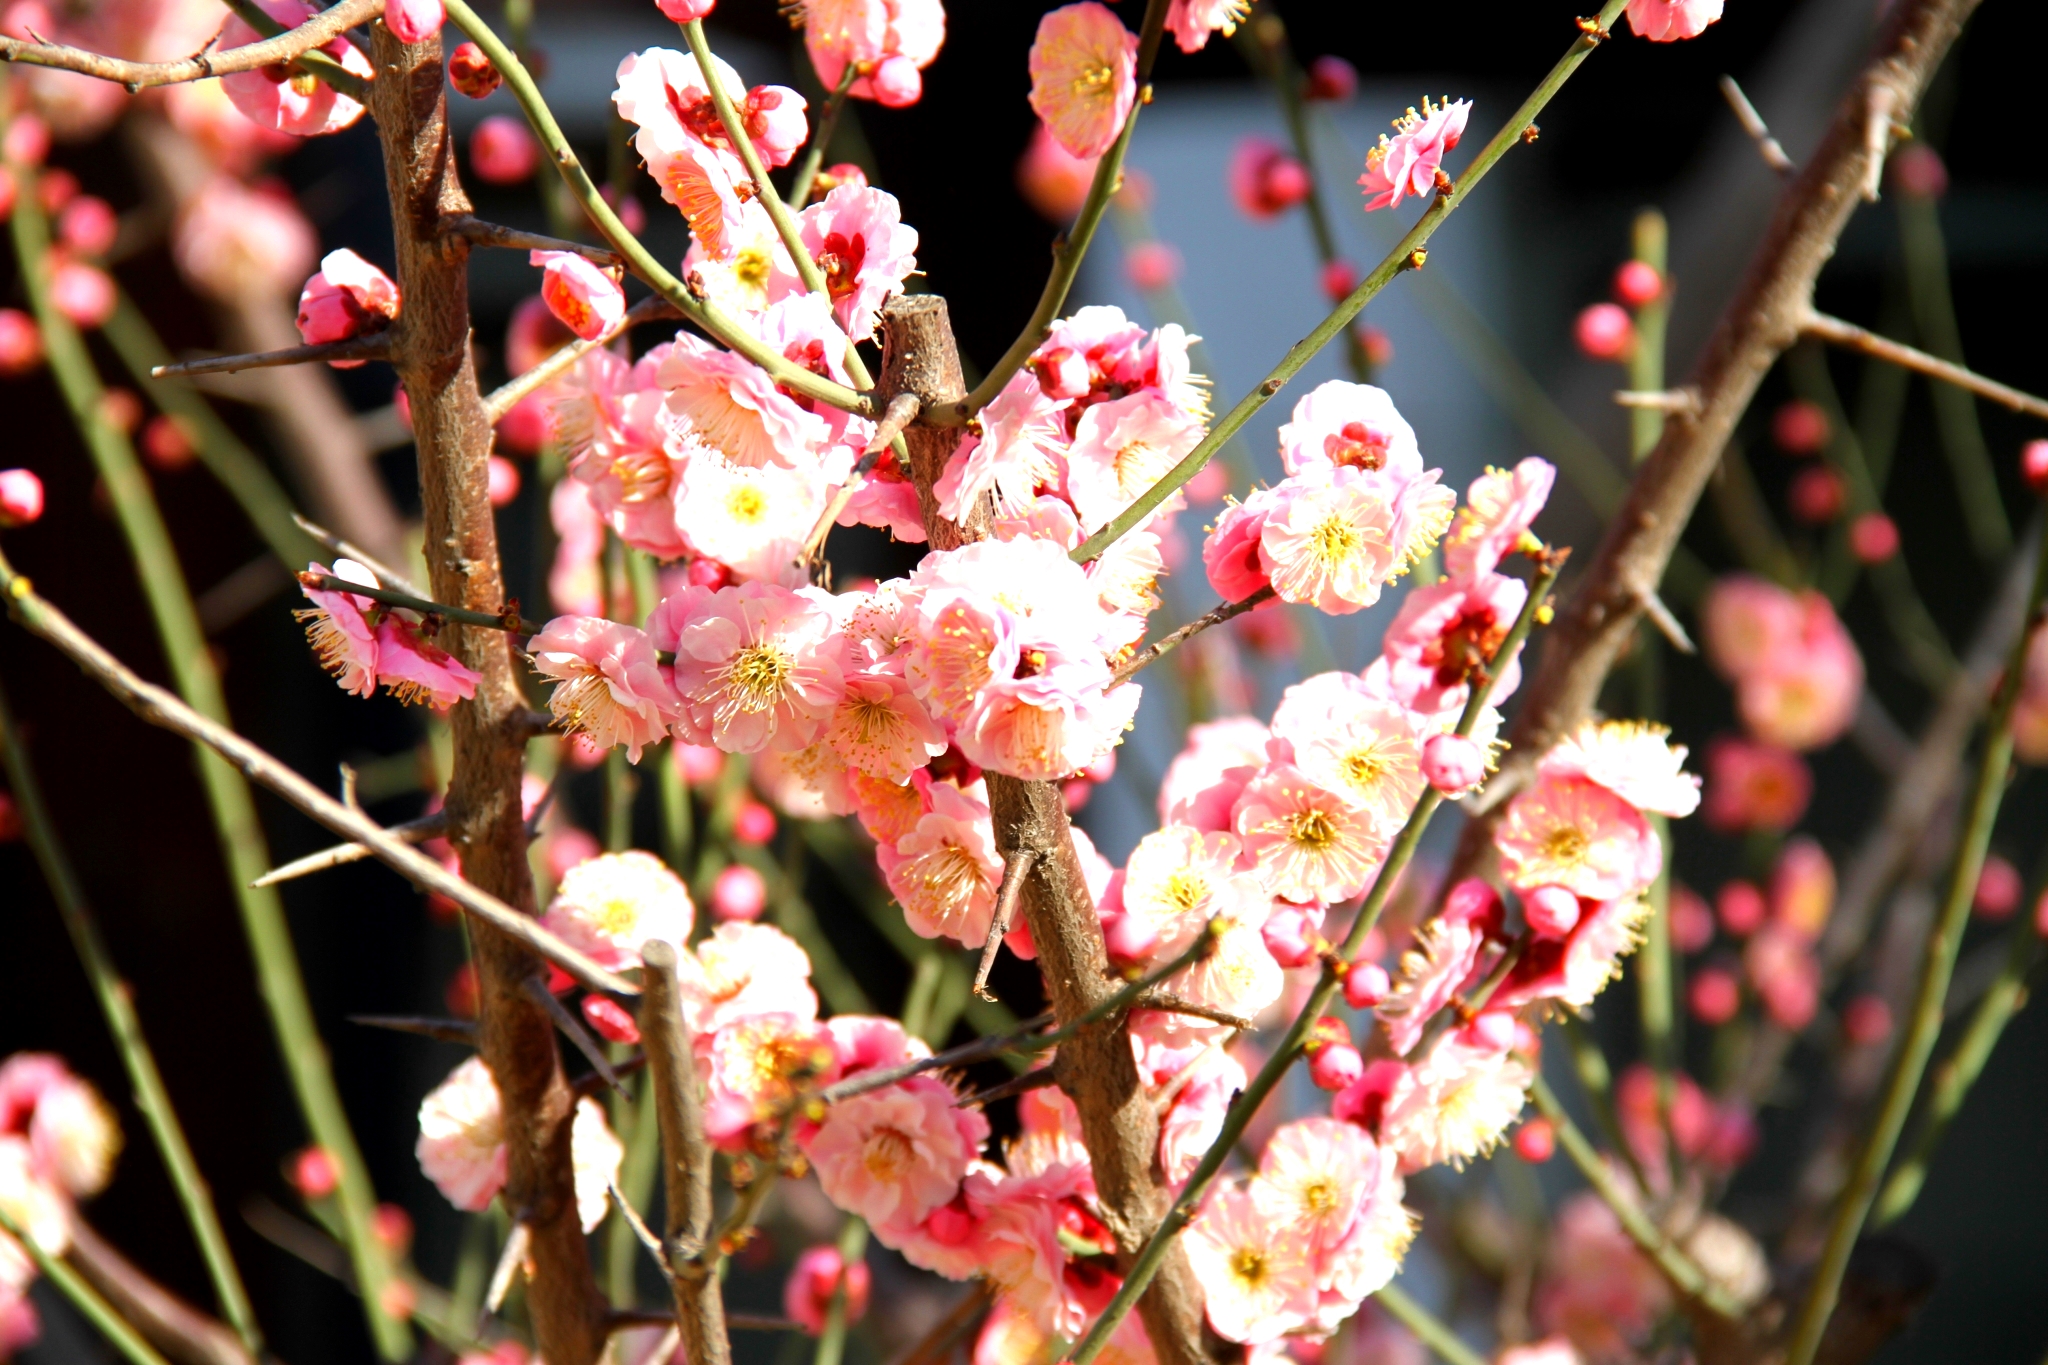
[
  {"x": 1760, "y": 322},
  {"x": 1095, "y": 1068},
  {"x": 431, "y": 351},
  {"x": 685, "y": 1160}
]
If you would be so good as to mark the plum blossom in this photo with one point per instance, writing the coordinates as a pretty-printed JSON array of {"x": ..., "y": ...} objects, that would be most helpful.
[
  {"x": 1309, "y": 844},
  {"x": 1576, "y": 966},
  {"x": 414, "y": 21},
  {"x": 1192, "y": 21},
  {"x": 857, "y": 236},
  {"x": 1231, "y": 556},
  {"x": 1500, "y": 506},
  {"x": 231, "y": 240},
  {"x": 775, "y": 122},
  {"x": 756, "y": 665},
  {"x": 663, "y": 93},
  {"x": 1207, "y": 1084},
  {"x": 609, "y": 684},
  {"x": 343, "y": 639},
  {"x": 1204, "y": 780},
  {"x": 888, "y": 41},
  {"x": 588, "y": 301},
  {"x": 1797, "y": 674},
  {"x": 945, "y": 870},
  {"x": 1407, "y": 163},
  {"x": 349, "y": 297},
  {"x": 1572, "y": 832},
  {"x": 1345, "y": 739},
  {"x": 415, "y": 670},
  {"x": 1330, "y": 544},
  {"x": 1445, "y": 632},
  {"x": 755, "y": 1066},
  {"x": 1597, "y": 1288},
  {"x": 743, "y": 971},
  {"x": 753, "y": 521},
  {"x": 1084, "y": 76},
  {"x": 290, "y": 101},
  {"x": 611, "y": 905},
  {"x": 1442, "y": 961},
  {"x": 818, "y": 1277},
  {"x": 1017, "y": 453},
  {"x": 880, "y": 728},
  {"x": 1456, "y": 1102},
  {"x": 1253, "y": 1264},
  {"x": 1177, "y": 881},
  {"x": 1633, "y": 759},
  {"x": 730, "y": 404},
  {"x": 72, "y": 1135},
  {"x": 461, "y": 1146},
  {"x": 1123, "y": 447},
  {"x": 895, "y": 1154},
  {"x": 1050, "y": 724},
  {"x": 1343, "y": 425},
  {"x": 1668, "y": 21}
]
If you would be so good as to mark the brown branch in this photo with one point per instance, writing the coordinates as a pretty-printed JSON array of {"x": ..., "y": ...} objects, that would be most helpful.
[
  {"x": 318, "y": 31},
  {"x": 461, "y": 1031},
  {"x": 412, "y": 831},
  {"x": 572, "y": 1029},
  {"x": 937, "y": 1345},
  {"x": 375, "y": 346},
  {"x": 477, "y": 232},
  {"x": 1753, "y": 124},
  {"x": 1764, "y": 318},
  {"x": 506, "y": 396},
  {"x": 180, "y": 1331},
  {"x": 1014, "y": 870},
  {"x": 1166, "y": 644},
  {"x": 1166, "y": 1002},
  {"x": 1016, "y": 1085},
  {"x": 686, "y": 1161},
  {"x": 1095, "y": 1067},
  {"x": 622, "y": 1318},
  {"x": 1849, "y": 335},
  {"x": 163, "y": 708},
  {"x": 430, "y": 348}
]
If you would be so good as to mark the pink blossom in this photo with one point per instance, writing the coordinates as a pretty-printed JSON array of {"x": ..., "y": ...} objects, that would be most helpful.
[
  {"x": 502, "y": 151},
  {"x": 744, "y": 971},
  {"x": 685, "y": 11},
  {"x": 1797, "y": 673},
  {"x": 1445, "y": 632},
  {"x": 1052, "y": 179},
  {"x": 1407, "y": 164},
  {"x": 1667, "y": 21},
  {"x": 1049, "y": 599},
  {"x": 1309, "y": 844},
  {"x": 1121, "y": 449},
  {"x": 82, "y": 293},
  {"x": 417, "y": 671},
  {"x": 1499, "y": 508},
  {"x": 945, "y": 870},
  {"x": 1084, "y": 76},
  {"x": 1178, "y": 879},
  {"x": 343, "y": 639},
  {"x": 613, "y": 904},
  {"x": 895, "y": 1154},
  {"x": 1049, "y": 724},
  {"x": 819, "y": 1277},
  {"x": 1205, "y": 779},
  {"x": 756, "y": 665},
  {"x": 1453, "y": 764},
  {"x": 231, "y": 241},
  {"x": 775, "y": 122},
  {"x": 730, "y": 404},
  {"x": 1748, "y": 623},
  {"x": 588, "y": 301},
  {"x": 291, "y": 101},
  {"x": 21, "y": 343},
  {"x": 1574, "y": 833},
  {"x": 1152, "y": 265},
  {"x": 609, "y": 684},
  {"x": 1802, "y": 889},
  {"x": 857, "y": 236},
  {"x": 753, "y": 521},
  {"x": 1755, "y": 786},
  {"x": 1231, "y": 555},
  {"x": 348, "y": 297},
  {"x": 1633, "y": 759},
  {"x": 1549, "y": 1351},
  {"x": 1596, "y": 1287},
  {"x": 1456, "y": 1102},
  {"x": 1330, "y": 544},
  {"x": 1017, "y": 453},
  {"x": 1351, "y": 742},
  {"x": 753, "y": 1068},
  {"x": 1604, "y": 331},
  {"x": 896, "y": 38},
  {"x": 1254, "y": 1267},
  {"x": 1190, "y": 1127},
  {"x": 414, "y": 21},
  {"x": 1443, "y": 960},
  {"x": 1192, "y": 21},
  {"x": 880, "y": 728},
  {"x": 21, "y": 497},
  {"x": 960, "y": 646},
  {"x": 1578, "y": 964},
  {"x": 1264, "y": 180},
  {"x": 72, "y": 1135},
  {"x": 1341, "y": 424},
  {"x": 461, "y": 1145}
]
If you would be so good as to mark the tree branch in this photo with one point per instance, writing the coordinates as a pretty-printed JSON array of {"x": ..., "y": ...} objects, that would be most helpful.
[
  {"x": 173, "y": 1326},
  {"x": 412, "y": 831},
  {"x": 374, "y": 346},
  {"x": 1753, "y": 124},
  {"x": 508, "y": 620},
  {"x": 1166, "y": 644},
  {"x": 307, "y": 38},
  {"x": 1849, "y": 335},
  {"x": 477, "y": 232},
  {"x": 686, "y": 1161}
]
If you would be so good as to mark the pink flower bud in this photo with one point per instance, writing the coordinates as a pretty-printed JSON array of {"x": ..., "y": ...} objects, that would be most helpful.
[
  {"x": 2034, "y": 465},
  {"x": 502, "y": 151},
  {"x": 1075, "y": 791},
  {"x": 1637, "y": 283},
  {"x": 612, "y": 1021},
  {"x": 82, "y": 293},
  {"x": 1453, "y": 764},
  {"x": 753, "y": 823},
  {"x": 1211, "y": 481},
  {"x": 10, "y": 819},
  {"x": 1129, "y": 939},
  {"x": 570, "y": 847},
  {"x": 1378, "y": 346},
  {"x": 584, "y": 298},
  {"x": 1713, "y": 995},
  {"x": 1866, "y": 1021},
  {"x": 1330, "y": 79},
  {"x": 1605, "y": 332},
  {"x": 815, "y": 1278},
  {"x": 1494, "y": 1029},
  {"x": 88, "y": 225},
  {"x": 685, "y": 11},
  {"x": 391, "y": 1225},
  {"x": 1152, "y": 265},
  {"x": 413, "y": 21},
  {"x": 315, "y": 1173},
  {"x": 55, "y": 188},
  {"x": 1365, "y": 985},
  {"x": 1338, "y": 278},
  {"x": 503, "y": 478},
  {"x": 21, "y": 344},
  {"x": 1290, "y": 937},
  {"x": 774, "y": 118},
  {"x": 1336, "y": 1066},
  {"x": 1264, "y": 180},
  {"x": 1800, "y": 428},
  {"x": 1916, "y": 172},
  {"x": 1692, "y": 920},
  {"x": 1536, "y": 1141},
  {"x": 1816, "y": 495},
  {"x": 471, "y": 72},
  {"x": 897, "y": 82},
  {"x": 739, "y": 893},
  {"x": 27, "y": 141},
  {"x": 1551, "y": 911},
  {"x": 698, "y": 763},
  {"x": 347, "y": 298},
  {"x": 167, "y": 443},
  {"x": 21, "y": 497},
  {"x": 1873, "y": 537},
  {"x": 1102, "y": 769},
  {"x": 1999, "y": 889},
  {"x": 121, "y": 409}
]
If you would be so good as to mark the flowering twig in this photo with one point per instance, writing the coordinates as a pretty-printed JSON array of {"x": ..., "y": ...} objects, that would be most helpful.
[
  {"x": 314, "y": 62},
  {"x": 374, "y": 346},
  {"x": 294, "y": 46},
  {"x": 1215, "y": 616},
  {"x": 118, "y": 1005},
  {"x": 477, "y": 232},
  {"x": 1753, "y": 124},
  {"x": 506, "y": 396},
  {"x": 1397, "y": 260},
  {"x": 385, "y": 574},
  {"x": 639, "y": 259},
  {"x": 1015, "y": 868},
  {"x": 1849, "y": 335},
  {"x": 509, "y": 620},
  {"x": 1146, "y": 1263},
  {"x": 821, "y": 139},
  {"x": 83, "y": 1297},
  {"x": 1923, "y": 1022}
]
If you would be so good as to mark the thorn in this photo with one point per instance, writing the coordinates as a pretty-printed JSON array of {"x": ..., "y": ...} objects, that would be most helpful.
[{"x": 1667, "y": 624}]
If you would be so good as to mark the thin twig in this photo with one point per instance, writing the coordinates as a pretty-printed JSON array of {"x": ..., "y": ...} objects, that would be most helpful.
[
  {"x": 572, "y": 1028},
  {"x": 1166, "y": 1002},
  {"x": 1665, "y": 621},
  {"x": 510, "y": 621},
  {"x": 1684, "y": 402},
  {"x": 622, "y": 1318},
  {"x": 1881, "y": 99},
  {"x": 900, "y": 413},
  {"x": 1849, "y": 335},
  {"x": 506, "y": 396},
  {"x": 980, "y": 1050},
  {"x": 509, "y": 1261},
  {"x": 1166, "y": 644},
  {"x": 645, "y": 1235},
  {"x": 174, "y": 1326},
  {"x": 291, "y": 46},
  {"x": 462, "y": 1031},
  {"x": 821, "y": 140},
  {"x": 83, "y": 1297},
  {"x": 375, "y": 346},
  {"x": 162, "y": 708},
  {"x": 1428, "y": 1328},
  {"x": 412, "y": 831},
  {"x": 1016, "y": 1085},
  {"x": 384, "y": 573},
  {"x": 477, "y": 232},
  {"x": 1015, "y": 869},
  {"x": 1753, "y": 124}
]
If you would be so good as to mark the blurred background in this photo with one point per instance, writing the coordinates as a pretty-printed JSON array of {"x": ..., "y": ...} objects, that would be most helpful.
[{"x": 1478, "y": 352}]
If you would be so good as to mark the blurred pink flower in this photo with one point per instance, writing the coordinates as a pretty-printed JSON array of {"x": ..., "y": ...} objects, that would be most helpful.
[
  {"x": 21, "y": 497},
  {"x": 1192, "y": 21},
  {"x": 893, "y": 40},
  {"x": 1751, "y": 785},
  {"x": 289, "y": 101},
  {"x": 1052, "y": 179},
  {"x": 503, "y": 150},
  {"x": 818, "y": 1277},
  {"x": 413, "y": 21},
  {"x": 1667, "y": 21},
  {"x": 613, "y": 904},
  {"x": 1264, "y": 180},
  {"x": 1084, "y": 76},
  {"x": 231, "y": 241},
  {"x": 1407, "y": 163}
]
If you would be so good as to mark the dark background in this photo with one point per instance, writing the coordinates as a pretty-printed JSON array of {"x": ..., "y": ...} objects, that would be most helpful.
[{"x": 1632, "y": 128}]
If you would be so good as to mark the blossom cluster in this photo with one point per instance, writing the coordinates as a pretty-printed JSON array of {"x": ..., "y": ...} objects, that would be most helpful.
[
  {"x": 58, "y": 1141},
  {"x": 364, "y": 643}
]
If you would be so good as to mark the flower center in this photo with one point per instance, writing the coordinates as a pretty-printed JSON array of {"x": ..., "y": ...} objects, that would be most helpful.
[
  {"x": 643, "y": 476},
  {"x": 1565, "y": 844},
  {"x": 1311, "y": 829},
  {"x": 1184, "y": 890},
  {"x": 1357, "y": 445},
  {"x": 1093, "y": 82},
  {"x": 756, "y": 679},
  {"x": 1319, "y": 1197},
  {"x": 888, "y": 1154},
  {"x": 746, "y": 504},
  {"x": 1251, "y": 1266},
  {"x": 1335, "y": 540}
]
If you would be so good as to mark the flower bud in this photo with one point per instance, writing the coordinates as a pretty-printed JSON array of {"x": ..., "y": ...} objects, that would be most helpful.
[
  {"x": 1365, "y": 985},
  {"x": 1999, "y": 889},
  {"x": 1713, "y": 995},
  {"x": 753, "y": 823},
  {"x": 774, "y": 118},
  {"x": 1336, "y": 1066},
  {"x": 1453, "y": 764},
  {"x": 88, "y": 225},
  {"x": 1800, "y": 428},
  {"x": 1377, "y": 345},
  {"x": 82, "y": 293},
  {"x": 1551, "y": 911},
  {"x": 21, "y": 344},
  {"x": 1152, "y": 265},
  {"x": 1918, "y": 173},
  {"x": 1536, "y": 1141},
  {"x": 1494, "y": 1029},
  {"x": 27, "y": 141},
  {"x": 1605, "y": 332},
  {"x": 613, "y": 1022},
  {"x": 1331, "y": 80},
  {"x": 1290, "y": 937},
  {"x": 1637, "y": 283},
  {"x": 1816, "y": 495},
  {"x": 739, "y": 893},
  {"x": 21, "y": 497},
  {"x": 698, "y": 763},
  {"x": 897, "y": 82},
  {"x": 1866, "y": 1021},
  {"x": 1129, "y": 939},
  {"x": 315, "y": 1173},
  {"x": 391, "y": 1225},
  {"x": 2034, "y": 465},
  {"x": 1692, "y": 922},
  {"x": 414, "y": 21},
  {"x": 167, "y": 443},
  {"x": 1873, "y": 538},
  {"x": 1339, "y": 277},
  {"x": 814, "y": 1279},
  {"x": 685, "y": 11},
  {"x": 1741, "y": 908},
  {"x": 502, "y": 481},
  {"x": 502, "y": 151},
  {"x": 471, "y": 72}
]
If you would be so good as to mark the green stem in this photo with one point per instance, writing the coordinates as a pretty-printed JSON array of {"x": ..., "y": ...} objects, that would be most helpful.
[
  {"x": 1071, "y": 247},
  {"x": 84, "y": 1297},
  {"x": 234, "y": 809},
  {"x": 643, "y": 262},
  {"x": 117, "y": 1004},
  {"x": 1235, "y": 1120},
  {"x": 1428, "y": 1328},
  {"x": 853, "y": 1245},
  {"x": 821, "y": 140},
  {"x": 1679, "y": 1268},
  {"x": 1596, "y": 1079},
  {"x": 1923, "y": 1022},
  {"x": 1953, "y": 1078},
  {"x": 1396, "y": 261},
  {"x": 1651, "y": 240}
]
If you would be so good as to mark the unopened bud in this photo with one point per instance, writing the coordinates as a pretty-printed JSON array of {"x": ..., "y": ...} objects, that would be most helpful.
[
  {"x": 1453, "y": 764},
  {"x": 1536, "y": 1141},
  {"x": 1551, "y": 911},
  {"x": 471, "y": 72},
  {"x": 1336, "y": 1066},
  {"x": 1365, "y": 985},
  {"x": 21, "y": 497}
]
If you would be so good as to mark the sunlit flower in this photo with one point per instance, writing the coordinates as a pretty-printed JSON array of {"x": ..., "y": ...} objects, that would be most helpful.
[
  {"x": 461, "y": 1145},
  {"x": 1331, "y": 544},
  {"x": 895, "y": 1154},
  {"x": 1309, "y": 844},
  {"x": 586, "y": 300},
  {"x": 1121, "y": 449},
  {"x": 415, "y": 670},
  {"x": 1574, "y": 833},
  {"x": 1253, "y": 1265},
  {"x": 1339, "y": 424},
  {"x": 1407, "y": 163},
  {"x": 945, "y": 871},
  {"x": 349, "y": 297},
  {"x": 1442, "y": 961},
  {"x": 857, "y": 236},
  {"x": 1015, "y": 455},
  {"x": 888, "y": 41},
  {"x": 611, "y": 905},
  {"x": 1205, "y": 779},
  {"x": 1445, "y": 633},
  {"x": 295, "y": 102},
  {"x": 880, "y": 728},
  {"x": 1049, "y": 724},
  {"x": 753, "y": 521},
  {"x": 1363, "y": 747},
  {"x": 757, "y": 665},
  {"x": 731, "y": 405},
  {"x": 1084, "y": 76},
  {"x": 1455, "y": 1103},
  {"x": 342, "y": 637},
  {"x": 609, "y": 683},
  {"x": 1500, "y": 506},
  {"x": 1633, "y": 759},
  {"x": 1577, "y": 967},
  {"x": 1192, "y": 21},
  {"x": 743, "y": 971},
  {"x": 1667, "y": 21}
]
